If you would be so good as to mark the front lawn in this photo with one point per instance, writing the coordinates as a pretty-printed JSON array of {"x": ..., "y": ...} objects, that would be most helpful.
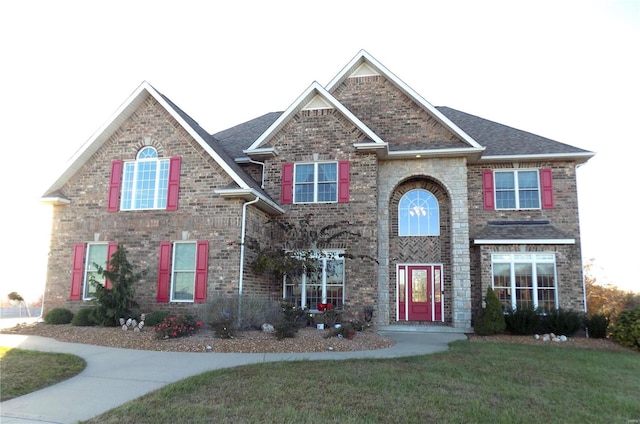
[
  {"x": 25, "y": 371},
  {"x": 471, "y": 383}
]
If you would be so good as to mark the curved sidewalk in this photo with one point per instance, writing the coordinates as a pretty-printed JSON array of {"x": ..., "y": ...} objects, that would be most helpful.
[{"x": 116, "y": 376}]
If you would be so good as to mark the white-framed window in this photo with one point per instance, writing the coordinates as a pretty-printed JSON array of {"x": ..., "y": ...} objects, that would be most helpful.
[
  {"x": 96, "y": 255},
  {"x": 517, "y": 189},
  {"x": 183, "y": 271},
  {"x": 325, "y": 284},
  {"x": 145, "y": 181},
  {"x": 525, "y": 280},
  {"x": 315, "y": 182},
  {"x": 418, "y": 214}
]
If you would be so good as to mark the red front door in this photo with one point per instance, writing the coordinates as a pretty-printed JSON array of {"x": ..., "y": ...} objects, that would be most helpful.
[{"x": 419, "y": 293}]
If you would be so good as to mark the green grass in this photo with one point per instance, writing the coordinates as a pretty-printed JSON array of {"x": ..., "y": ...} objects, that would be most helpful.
[
  {"x": 25, "y": 371},
  {"x": 471, "y": 383}
]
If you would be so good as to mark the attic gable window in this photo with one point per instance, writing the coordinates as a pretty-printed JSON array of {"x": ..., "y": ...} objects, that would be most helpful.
[{"x": 148, "y": 182}]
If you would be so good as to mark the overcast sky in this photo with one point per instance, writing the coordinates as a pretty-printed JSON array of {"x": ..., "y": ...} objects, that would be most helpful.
[{"x": 567, "y": 70}]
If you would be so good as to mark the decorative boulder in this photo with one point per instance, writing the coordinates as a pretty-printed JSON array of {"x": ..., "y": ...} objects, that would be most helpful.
[{"x": 268, "y": 328}]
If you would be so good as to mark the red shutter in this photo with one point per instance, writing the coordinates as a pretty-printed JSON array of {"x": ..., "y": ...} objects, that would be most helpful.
[
  {"x": 77, "y": 272},
  {"x": 343, "y": 181},
  {"x": 111, "y": 249},
  {"x": 113, "y": 202},
  {"x": 202, "y": 270},
  {"x": 164, "y": 272},
  {"x": 287, "y": 184},
  {"x": 487, "y": 190},
  {"x": 174, "y": 184},
  {"x": 546, "y": 184}
]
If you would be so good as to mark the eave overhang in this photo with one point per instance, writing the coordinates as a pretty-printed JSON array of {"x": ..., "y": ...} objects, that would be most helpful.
[
  {"x": 263, "y": 204},
  {"x": 55, "y": 201},
  {"x": 579, "y": 158},
  {"x": 525, "y": 241}
]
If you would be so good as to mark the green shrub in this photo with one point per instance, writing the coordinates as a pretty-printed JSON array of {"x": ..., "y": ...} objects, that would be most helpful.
[
  {"x": 490, "y": 319},
  {"x": 597, "y": 325},
  {"x": 626, "y": 330},
  {"x": 58, "y": 316},
  {"x": 224, "y": 326},
  {"x": 291, "y": 319},
  {"x": 562, "y": 321},
  {"x": 174, "y": 326},
  {"x": 523, "y": 321},
  {"x": 154, "y": 318},
  {"x": 83, "y": 318}
]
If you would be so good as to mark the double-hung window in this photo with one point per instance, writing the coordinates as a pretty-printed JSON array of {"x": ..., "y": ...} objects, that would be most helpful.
[
  {"x": 418, "y": 214},
  {"x": 517, "y": 189},
  {"x": 316, "y": 183},
  {"x": 525, "y": 280},
  {"x": 87, "y": 257},
  {"x": 182, "y": 271},
  {"x": 323, "y": 284}
]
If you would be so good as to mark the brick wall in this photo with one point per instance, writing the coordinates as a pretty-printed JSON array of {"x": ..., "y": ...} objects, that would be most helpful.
[{"x": 202, "y": 215}]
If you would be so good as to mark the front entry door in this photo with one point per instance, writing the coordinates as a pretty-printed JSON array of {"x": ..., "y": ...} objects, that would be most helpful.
[{"x": 419, "y": 293}]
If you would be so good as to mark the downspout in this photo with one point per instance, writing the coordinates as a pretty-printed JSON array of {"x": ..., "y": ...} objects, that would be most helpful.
[
  {"x": 263, "y": 171},
  {"x": 242, "y": 238}
]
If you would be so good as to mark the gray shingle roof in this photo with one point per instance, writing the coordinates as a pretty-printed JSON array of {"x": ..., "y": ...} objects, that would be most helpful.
[
  {"x": 520, "y": 230},
  {"x": 499, "y": 139},
  {"x": 235, "y": 139}
]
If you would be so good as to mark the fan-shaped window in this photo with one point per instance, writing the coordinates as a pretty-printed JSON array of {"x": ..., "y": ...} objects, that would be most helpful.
[{"x": 418, "y": 214}]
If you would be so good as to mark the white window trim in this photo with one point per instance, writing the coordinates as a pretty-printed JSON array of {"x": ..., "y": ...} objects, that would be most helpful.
[
  {"x": 516, "y": 188},
  {"x": 156, "y": 196},
  {"x": 533, "y": 259},
  {"x": 85, "y": 280},
  {"x": 315, "y": 181},
  {"x": 173, "y": 273}
]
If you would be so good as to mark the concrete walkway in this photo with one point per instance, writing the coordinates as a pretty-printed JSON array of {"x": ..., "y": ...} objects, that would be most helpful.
[{"x": 116, "y": 376}]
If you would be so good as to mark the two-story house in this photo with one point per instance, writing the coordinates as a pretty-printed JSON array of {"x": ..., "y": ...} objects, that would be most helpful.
[{"x": 433, "y": 205}]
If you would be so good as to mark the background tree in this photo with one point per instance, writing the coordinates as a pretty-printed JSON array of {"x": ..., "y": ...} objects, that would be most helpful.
[{"x": 116, "y": 302}]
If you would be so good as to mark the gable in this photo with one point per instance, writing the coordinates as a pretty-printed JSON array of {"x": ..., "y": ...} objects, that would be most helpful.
[{"x": 395, "y": 117}]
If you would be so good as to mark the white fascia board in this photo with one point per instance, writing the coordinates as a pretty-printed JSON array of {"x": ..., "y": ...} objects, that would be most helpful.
[
  {"x": 437, "y": 152},
  {"x": 364, "y": 56},
  {"x": 249, "y": 194},
  {"x": 223, "y": 164},
  {"x": 580, "y": 157},
  {"x": 299, "y": 103},
  {"x": 525, "y": 241},
  {"x": 97, "y": 139},
  {"x": 55, "y": 201}
]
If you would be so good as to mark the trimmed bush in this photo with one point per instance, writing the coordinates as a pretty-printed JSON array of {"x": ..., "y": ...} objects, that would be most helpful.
[
  {"x": 83, "y": 318},
  {"x": 626, "y": 330},
  {"x": 562, "y": 321},
  {"x": 58, "y": 316},
  {"x": 154, "y": 318},
  {"x": 490, "y": 319},
  {"x": 224, "y": 326},
  {"x": 291, "y": 320},
  {"x": 597, "y": 325},
  {"x": 524, "y": 321}
]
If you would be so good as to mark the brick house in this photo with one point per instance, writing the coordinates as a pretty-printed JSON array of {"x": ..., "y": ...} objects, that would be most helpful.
[{"x": 433, "y": 205}]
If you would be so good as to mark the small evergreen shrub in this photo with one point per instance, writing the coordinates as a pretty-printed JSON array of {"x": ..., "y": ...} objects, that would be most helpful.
[
  {"x": 154, "y": 318},
  {"x": 291, "y": 319},
  {"x": 83, "y": 318},
  {"x": 224, "y": 326},
  {"x": 58, "y": 316},
  {"x": 523, "y": 321},
  {"x": 597, "y": 325},
  {"x": 562, "y": 321},
  {"x": 626, "y": 330},
  {"x": 174, "y": 326},
  {"x": 490, "y": 319}
]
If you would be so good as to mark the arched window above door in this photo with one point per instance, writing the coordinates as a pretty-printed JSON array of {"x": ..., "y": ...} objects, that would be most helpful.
[{"x": 418, "y": 214}]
